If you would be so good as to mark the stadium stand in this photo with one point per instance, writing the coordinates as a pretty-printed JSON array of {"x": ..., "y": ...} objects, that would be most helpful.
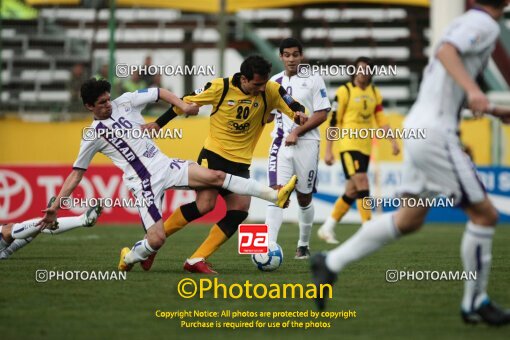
[
  {"x": 47, "y": 47},
  {"x": 36, "y": 62},
  {"x": 333, "y": 33}
]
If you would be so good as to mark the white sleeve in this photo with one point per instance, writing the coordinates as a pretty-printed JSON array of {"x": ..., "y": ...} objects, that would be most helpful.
[
  {"x": 131, "y": 104},
  {"x": 468, "y": 37},
  {"x": 141, "y": 97},
  {"x": 88, "y": 148},
  {"x": 320, "y": 96}
]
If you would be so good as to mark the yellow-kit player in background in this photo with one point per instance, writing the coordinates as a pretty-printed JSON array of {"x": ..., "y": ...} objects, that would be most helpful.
[
  {"x": 357, "y": 104},
  {"x": 242, "y": 104}
]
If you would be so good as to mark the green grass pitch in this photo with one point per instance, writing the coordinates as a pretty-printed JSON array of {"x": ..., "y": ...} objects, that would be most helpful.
[{"x": 115, "y": 309}]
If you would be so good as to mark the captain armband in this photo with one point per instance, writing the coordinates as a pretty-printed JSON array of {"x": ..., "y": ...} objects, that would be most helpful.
[{"x": 297, "y": 107}]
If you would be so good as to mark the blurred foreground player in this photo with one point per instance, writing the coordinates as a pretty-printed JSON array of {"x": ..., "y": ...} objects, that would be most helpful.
[
  {"x": 147, "y": 171},
  {"x": 295, "y": 149},
  {"x": 437, "y": 165},
  {"x": 242, "y": 105},
  {"x": 357, "y": 105},
  {"x": 14, "y": 236}
]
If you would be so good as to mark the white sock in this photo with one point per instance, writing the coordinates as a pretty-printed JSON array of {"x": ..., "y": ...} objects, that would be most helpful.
[
  {"x": 66, "y": 224},
  {"x": 25, "y": 229},
  {"x": 274, "y": 219},
  {"x": 249, "y": 187},
  {"x": 476, "y": 253},
  {"x": 140, "y": 251},
  {"x": 195, "y": 260},
  {"x": 329, "y": 225},
  {"x": 305, "y": 216},
  {"x": 371, "y": 236},
  {"x": 17, "y": 245}
]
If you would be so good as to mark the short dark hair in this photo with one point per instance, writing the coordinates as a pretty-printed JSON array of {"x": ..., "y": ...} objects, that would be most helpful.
[
  {"x": 93, "y": 89},
  {"x": 365, "y": 60},
  {"x": 255, "y": 64},
  {"x": 291, "y": 42},
  {"x": 492, "y": 3}
]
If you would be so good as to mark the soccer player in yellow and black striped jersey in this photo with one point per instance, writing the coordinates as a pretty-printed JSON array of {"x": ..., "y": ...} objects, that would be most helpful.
[
  {"x": 357, "y": 104},
  {"x": 242, "y": 105}
]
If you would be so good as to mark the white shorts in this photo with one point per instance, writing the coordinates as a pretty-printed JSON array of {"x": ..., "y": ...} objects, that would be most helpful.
[
  {"x": 150, "y": 190},
  {"x": 437, "y": 165},
  {"x": 301, "y": 159}
]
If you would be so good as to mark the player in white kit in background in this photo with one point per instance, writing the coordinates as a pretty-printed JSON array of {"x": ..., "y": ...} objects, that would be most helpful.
[
  {"x": 147, "y": 171},
  {"x": 437, "y": 164},
  {"x": 295, "y": 149}
]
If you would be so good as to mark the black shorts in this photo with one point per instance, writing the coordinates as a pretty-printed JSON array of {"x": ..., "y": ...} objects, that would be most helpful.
[
  {"x": 211, "y": 160},
  {"x": 354, "y": 162}
]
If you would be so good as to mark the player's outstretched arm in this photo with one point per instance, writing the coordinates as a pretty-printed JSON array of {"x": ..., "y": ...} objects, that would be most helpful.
[
  {"x": 449, "y": 57},
  {"x": 170, "y": 98},
  {"x": 209, "y": 94},
  {"x": 71, "y": 182},
  {"x": 279, "y": 99}
]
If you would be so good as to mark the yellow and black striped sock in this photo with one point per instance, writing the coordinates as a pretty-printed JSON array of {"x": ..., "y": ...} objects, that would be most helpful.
[
  {"x": 342, "y": 206},
  {"x": 220, "y": 233},
  {"x": 181, "y": 217},
  {"x": 213, "y": 241},
  {"x": 364, "y": 211}
]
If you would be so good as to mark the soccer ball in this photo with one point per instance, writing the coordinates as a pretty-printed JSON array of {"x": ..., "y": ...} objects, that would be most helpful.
[{"x": 270, "y": 261}]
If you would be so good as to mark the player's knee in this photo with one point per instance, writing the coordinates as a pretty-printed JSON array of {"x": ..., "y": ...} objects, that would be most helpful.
[
  {"x": 351, "y": 192},
  {"x": 7, "y": 233},
  {"x": 361, "y": 181},
  {"x": 217, "y": 177},
  {"x": 206, "y": 205},
  {"x": 304, "y": 200}
]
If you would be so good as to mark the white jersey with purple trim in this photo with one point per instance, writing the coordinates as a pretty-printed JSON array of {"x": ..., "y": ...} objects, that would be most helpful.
[
  {"x": 310, "y": 92},
  {"x": 441, "y": 99},
  {"x": 136, "y": 157}
]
